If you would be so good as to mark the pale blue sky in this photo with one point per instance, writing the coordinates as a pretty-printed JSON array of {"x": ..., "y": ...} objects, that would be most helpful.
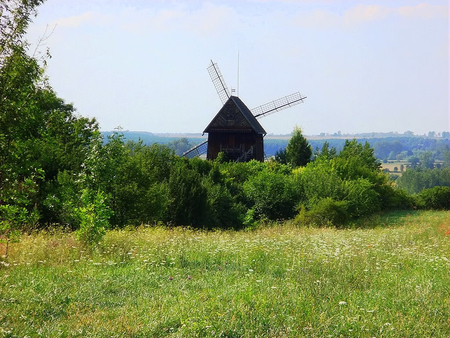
[{"x": 365, "y": 66}]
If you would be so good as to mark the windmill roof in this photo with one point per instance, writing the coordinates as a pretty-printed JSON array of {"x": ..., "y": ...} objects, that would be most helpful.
[{"x": 216, "y": 125}]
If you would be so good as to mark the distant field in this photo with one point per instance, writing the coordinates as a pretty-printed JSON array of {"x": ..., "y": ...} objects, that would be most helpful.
[
  {"x": 389, "y": 276},
  {"x": 392, "y": 165}
]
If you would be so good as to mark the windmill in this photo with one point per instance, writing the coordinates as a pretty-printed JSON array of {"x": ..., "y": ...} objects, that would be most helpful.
[{"x": 235, "y": 130}]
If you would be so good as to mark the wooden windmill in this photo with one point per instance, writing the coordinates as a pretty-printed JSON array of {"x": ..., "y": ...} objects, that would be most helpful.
[{"x": 235, "y": 130}]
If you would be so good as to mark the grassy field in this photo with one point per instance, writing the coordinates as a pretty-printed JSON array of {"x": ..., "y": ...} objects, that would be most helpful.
[{"x": 389, "y": 276}]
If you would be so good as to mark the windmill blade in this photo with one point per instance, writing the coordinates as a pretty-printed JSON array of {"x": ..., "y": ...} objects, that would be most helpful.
[
  {"x": 277, "y": 105},
  {"x": 219, "y": 82},
  {"x": 197, "y": 151}
]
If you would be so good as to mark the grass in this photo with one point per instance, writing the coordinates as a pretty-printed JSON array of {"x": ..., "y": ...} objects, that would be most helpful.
[{"x": 388, "y": 276}]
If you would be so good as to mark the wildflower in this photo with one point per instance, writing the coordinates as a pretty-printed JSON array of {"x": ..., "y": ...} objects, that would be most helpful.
[
  {"x": 170, "y": 278},
  {"x": 189, "y": 277},
  {"x": 342, "y": 303}
]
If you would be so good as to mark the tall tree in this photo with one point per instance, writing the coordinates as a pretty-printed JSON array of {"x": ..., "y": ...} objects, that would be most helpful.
[
  {"x": 40, "y": 135},
  {"x": 298, "y": 150}
]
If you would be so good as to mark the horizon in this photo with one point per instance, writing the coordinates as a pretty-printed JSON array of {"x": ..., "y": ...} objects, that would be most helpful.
[{"x": 407, "y": 133}]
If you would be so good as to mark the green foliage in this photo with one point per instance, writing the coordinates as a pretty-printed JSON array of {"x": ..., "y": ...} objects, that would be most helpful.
[
  {"x": 39, "y": 133},
  {"x": 394, "y": 198},
  {"x": 326, "y": 212},
  {"x": 16, "y": 210},
  {"x": 361, "y": 197},
  {"x": 437, "y": 198},
  {"x": 223, "y": 211},
  {"x": 416, "y": 180},
  {"x": 93, "y": 216},
  {"x": 180, "y": 146},
  {"x": 187, "y": 196},
  {"x": 325, "y": 153},
  {"x": 352, "y": 177},
  {"x": 272, "y": 195},
  {"x": 281, "y": 156},
  {"x": 298, "y": 151}
]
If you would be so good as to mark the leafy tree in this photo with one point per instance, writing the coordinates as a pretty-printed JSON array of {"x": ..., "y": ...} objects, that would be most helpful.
[
  {"x": 42, "y": 141},
  {"x": 416, "y": 180},
  {"x": 325, "y": 153},
  {"x": 20, "y": 89},
  {"x": 180, "y": 145},
  {"x": 427, "y": 160},
  {"x": 94, "y": 217},
  {"x": 298, "y": 151},
  {"x": 281, "y": 156}
]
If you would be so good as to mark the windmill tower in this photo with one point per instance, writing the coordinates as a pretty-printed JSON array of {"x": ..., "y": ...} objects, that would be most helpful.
[{"x": 235, "y": 130}]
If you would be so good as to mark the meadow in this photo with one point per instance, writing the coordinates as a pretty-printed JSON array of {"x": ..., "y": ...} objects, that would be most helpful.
[{"x": 385, "y": 276}]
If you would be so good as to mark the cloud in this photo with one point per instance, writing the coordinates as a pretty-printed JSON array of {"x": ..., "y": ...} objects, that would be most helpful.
[
  {"x": 365, "y": 13},
  {"x": 318, "y": 18},
  {"x": 211, "y": 18},
  {"x": 205, "y": 20},
  {"x": 424, "y": 11},
  {"x": 86, "y": 18},
  {"x": 74, "y": 21}
]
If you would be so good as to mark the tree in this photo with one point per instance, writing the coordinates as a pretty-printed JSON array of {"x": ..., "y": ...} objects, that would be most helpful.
[
  {"x": 42, "y": 141},
  {"x": 181, "y": 145},
  {"x": 298, "y": 150},
  {"x": 20, "y": 77},
  {"x": 325, "y": 153}
]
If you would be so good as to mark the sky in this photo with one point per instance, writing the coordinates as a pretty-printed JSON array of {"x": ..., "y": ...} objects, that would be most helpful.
[{"x": 364, "y": 66}]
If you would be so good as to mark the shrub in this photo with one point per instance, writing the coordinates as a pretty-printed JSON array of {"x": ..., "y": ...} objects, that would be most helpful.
[
  {"x": 93, "y": 216},
  {"x": 222, "y": 210},
  {"x": 392, "y": 198},
  {"x": 437, "y": 198},
  {"x": 361, "y": 197},
  {"x": 272, "y": 195},
  {"x": 326, "y": 212},
  {"x": 187, "y": 197}
]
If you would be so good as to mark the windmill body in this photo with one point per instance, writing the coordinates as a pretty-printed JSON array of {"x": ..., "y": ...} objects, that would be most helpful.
[{"x": 235, "y": 130}]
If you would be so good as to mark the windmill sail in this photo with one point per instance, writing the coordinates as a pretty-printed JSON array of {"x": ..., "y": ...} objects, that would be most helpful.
[
  {"x": 219, "y": 82},
  {"x": 277, "y": 105},
  {"x": 227, "y": 137},
  {"x": 196, "y": 151}
]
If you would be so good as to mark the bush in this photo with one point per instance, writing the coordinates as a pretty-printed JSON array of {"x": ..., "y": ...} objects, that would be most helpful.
[
  {"x": 187, "y": 200},
  {"x": 320, "y": 180},
  {"x": 361, "y": 197},
  {"x": 93, "y": 216},
  {"x": 392, "y": 198},
  {"x": 437, "y": 198},
  {"x": 272, "y": 195},
  {"x": 222, "y": 210},
  {"x": 326, "y": 212}
]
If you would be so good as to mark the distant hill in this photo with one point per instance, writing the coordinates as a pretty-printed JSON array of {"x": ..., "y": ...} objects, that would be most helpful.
[
  {"x": 386, "y": 145},
  {"x": 150, "y": 138}
]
